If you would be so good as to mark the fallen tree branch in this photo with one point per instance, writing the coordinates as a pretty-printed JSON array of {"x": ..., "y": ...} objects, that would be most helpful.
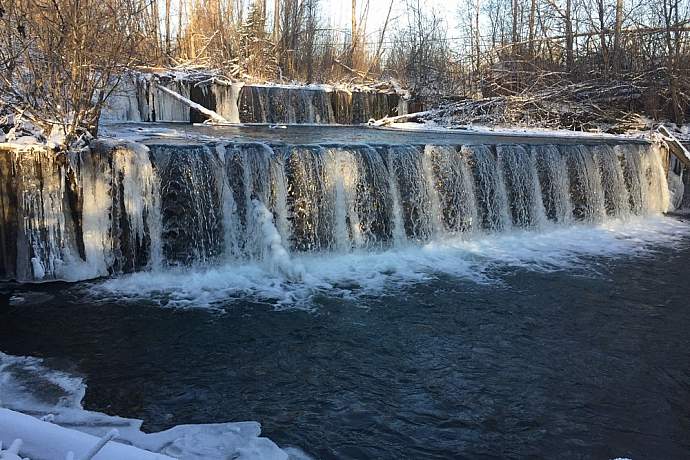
[
  {"x": 594, "y": 105},
  {"x": 408, "y": 117},
  {"x": 213, "y": 116}
]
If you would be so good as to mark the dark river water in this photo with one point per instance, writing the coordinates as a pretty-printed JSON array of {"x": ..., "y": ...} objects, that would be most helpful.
[
  {"x": 334, "y": 134},
  {"x": 557, "y": 365}
]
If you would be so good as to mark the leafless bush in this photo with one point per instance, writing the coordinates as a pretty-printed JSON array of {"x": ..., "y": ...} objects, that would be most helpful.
[{"x": 60, "y": 59}]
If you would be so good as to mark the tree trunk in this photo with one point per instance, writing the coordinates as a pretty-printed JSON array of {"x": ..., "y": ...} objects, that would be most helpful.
[
  {"x": 354, "y": 27},
  {"x": 532, "y": 14},
  {"x": 617, "y": 35},
  {"x": 602, "y": 36},
  {"x": 276, "y": 21},
  {"x": 167, "y": 30},
  {"x": 476, "y": 34},
  {"x": 569, "y": 39},
  {"x": 515, "y": 23}
]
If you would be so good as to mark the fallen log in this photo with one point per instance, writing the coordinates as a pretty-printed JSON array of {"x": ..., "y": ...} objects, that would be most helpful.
[
  {"x": 408, "y": 117},
  {"x": 213, "y": 116}
]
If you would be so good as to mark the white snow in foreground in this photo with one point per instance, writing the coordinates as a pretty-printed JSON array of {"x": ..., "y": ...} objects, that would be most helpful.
[
  {"x": 29, "y": 390},
  {"x": 363, "y": 272},
  {"x": 45, "y": 440}
]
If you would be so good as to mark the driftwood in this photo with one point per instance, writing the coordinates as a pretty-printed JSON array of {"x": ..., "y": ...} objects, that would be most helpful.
[
  {"x": 417, "y": 117},
  {"x": 588, "y": 106}
]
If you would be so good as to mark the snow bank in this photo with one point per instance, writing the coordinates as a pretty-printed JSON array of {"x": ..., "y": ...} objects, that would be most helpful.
[
  {"x": 44, "y": 440},
  {"x": 431, "y": 126},
  {"x": 28, "y": 386}
]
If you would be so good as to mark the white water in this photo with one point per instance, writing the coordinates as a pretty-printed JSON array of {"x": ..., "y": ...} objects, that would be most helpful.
[{"x": 362, "y": 273}]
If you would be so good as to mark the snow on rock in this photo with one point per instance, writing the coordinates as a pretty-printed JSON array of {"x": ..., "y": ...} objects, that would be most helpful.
[{"x": 28, "y": 386}]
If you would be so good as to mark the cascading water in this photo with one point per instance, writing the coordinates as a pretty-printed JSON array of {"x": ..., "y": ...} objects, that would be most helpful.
[
  {"x": 139, "y": 99},
  {"x": 455, "y": 186},
  {"x": 417, "y": 195},
  {"x": 616, "y": 199},
  {"x": 552, "y": 168},
  {"x": 522, "y": 182},
  {"x": 586, "y": 190},
  {"x": 118, "y": 208},
  {"x": 492, "y": 198},
  {"x": 192, "y": 221}
]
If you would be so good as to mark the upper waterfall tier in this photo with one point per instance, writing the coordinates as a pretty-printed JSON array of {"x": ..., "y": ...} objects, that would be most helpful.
[
  {"x": 138, "y": 99},
  {"x": 118, "y": 208}
]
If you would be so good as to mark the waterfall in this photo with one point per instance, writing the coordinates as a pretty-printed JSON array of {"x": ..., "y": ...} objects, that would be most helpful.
[
  {"x": 418, "y": 197},
  {"x": 616, "y": 198},
  {"x": 522, "y": 182},
  {"x": 492, "y": 198},
  {"x": 138, "y": 99},
  {"x": 455, "y": 186},
  {"x": 645, "y": 179},
  {"x": 555, "y": 183},
  {"x": 271, "y": 244},
  {"x": 192, "y": 228},
  {"x": 122, "y": 207},
  {"x": 341, "y": 174},
  {"x": 659, "y": 192},
  {"x": 227, "y": 100},
  {"x": 586, "y": 190}
]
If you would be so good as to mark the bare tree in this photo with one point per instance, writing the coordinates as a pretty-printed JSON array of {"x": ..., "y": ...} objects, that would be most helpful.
[
  {"x": 421, "y": 55},
  {"x": 57, "y": 67}
]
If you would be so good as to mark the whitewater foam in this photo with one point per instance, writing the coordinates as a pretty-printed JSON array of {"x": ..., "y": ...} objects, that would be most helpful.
[{"x": 482, "y": 259}]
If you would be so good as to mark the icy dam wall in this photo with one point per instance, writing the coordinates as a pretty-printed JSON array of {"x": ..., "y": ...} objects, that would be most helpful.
[
  {"x": 120, "y": 208},
  {"x": 140, "y": 100}
]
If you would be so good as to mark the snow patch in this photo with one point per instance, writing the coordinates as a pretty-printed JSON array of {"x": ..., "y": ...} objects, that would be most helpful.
[{"x": 432, "y": 126}]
